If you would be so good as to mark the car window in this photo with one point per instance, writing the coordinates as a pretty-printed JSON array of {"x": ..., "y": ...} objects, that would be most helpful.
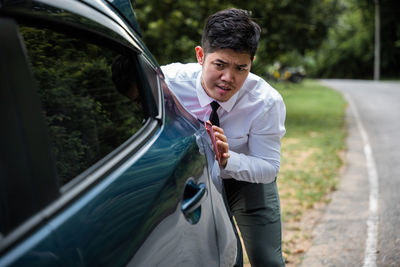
[{"x": 89, "y": 97}]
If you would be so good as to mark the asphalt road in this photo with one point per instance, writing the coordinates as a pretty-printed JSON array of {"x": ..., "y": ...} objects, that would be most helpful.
[{"x": 361, "y": 225}]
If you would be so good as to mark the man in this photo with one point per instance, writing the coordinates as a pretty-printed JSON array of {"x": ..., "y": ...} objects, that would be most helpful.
[{"x": 250, "y": 114}]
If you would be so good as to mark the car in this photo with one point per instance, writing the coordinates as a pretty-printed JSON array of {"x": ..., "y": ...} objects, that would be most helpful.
[{"x": 99, "y": 166}]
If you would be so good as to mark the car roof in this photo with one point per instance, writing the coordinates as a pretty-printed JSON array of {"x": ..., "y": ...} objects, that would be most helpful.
[{"x": 121, "y": 8}]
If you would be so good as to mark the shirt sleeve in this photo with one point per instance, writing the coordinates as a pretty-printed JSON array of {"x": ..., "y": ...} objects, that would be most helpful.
[{"x": 262, "y": 163}]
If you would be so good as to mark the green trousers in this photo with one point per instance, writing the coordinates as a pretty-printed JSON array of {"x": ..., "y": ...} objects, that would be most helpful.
[{"x": 256, "y": 209}]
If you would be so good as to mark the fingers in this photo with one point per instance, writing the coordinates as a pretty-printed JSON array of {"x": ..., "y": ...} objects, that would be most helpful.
[
  {"x": 221, "y": 139},
  {"x": 219, "y": 132},
  {"x": 225, "y": 156},
  {"x": 223, "y": 146}
]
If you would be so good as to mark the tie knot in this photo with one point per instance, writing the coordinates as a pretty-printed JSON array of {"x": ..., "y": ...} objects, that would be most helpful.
[{"x": 214, "y": 105}]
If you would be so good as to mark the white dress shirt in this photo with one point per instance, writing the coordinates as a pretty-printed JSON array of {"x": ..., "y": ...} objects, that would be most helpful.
[{"x": 252, "y": 119}]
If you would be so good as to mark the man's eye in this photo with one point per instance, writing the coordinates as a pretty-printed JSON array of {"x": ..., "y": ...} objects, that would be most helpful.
[{"x": 219, "y": 65}]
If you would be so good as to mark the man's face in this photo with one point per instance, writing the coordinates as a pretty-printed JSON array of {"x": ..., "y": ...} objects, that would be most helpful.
[{"x": 224, "y": 72}]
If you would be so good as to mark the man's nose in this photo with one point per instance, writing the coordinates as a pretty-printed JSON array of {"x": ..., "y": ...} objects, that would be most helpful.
[{"x": 227, "y": 76}]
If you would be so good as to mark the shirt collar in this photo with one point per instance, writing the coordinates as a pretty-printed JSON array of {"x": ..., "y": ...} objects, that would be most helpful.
[{"x": 205, "y": 100}]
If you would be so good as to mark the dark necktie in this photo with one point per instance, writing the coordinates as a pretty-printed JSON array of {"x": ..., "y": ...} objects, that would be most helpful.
[{"x": 214, "y": 116}]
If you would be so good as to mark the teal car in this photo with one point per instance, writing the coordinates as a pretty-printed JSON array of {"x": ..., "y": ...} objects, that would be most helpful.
[{"x": 100, "y": 165}]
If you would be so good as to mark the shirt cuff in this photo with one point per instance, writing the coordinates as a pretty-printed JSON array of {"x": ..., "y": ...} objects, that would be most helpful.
[{"x": 233, "y": 163}]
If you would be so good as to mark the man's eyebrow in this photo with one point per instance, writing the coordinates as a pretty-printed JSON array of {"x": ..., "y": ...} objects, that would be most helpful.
[
  {"x": 223, "y": 62},
  {"x": 220, "y": 61}
]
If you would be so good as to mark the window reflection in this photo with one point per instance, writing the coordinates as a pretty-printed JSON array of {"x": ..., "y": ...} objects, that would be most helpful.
[
  {"x": 124, "y": 77},
  {"x": 86, "y": 115}
]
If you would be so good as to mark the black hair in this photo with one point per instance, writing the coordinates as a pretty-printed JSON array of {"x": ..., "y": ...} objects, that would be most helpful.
[{"x": 231, "y": 28}]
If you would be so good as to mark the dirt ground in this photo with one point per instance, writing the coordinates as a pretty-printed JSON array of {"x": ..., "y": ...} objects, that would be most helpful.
[{"x": 298, "y": 235}]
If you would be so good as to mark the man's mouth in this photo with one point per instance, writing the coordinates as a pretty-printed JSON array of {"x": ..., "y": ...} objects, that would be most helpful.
[{"x": 225, "y": 88}]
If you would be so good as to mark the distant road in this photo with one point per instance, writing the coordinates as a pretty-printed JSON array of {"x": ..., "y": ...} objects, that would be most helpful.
[{"x": 361, "y": 226}]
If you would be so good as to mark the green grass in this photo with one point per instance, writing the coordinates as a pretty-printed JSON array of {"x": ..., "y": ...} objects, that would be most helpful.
[
  {"x": 312, "y": 146},
  {"x": 311, "y": 156}
]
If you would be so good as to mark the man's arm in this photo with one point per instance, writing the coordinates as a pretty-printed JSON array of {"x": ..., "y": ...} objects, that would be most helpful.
[
  {"x": 262, "y": 163},
  {"x": 259, "y": 168}
]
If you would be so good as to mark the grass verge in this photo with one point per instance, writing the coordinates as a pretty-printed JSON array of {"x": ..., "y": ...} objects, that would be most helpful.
[{"x": 311, "y": 159}]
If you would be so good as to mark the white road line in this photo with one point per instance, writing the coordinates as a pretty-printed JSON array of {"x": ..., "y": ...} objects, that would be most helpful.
[{"x": 373, "y": 216}]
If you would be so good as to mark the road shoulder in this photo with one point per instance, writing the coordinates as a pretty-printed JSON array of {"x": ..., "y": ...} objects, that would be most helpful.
[{"x": 339, "y": 237}]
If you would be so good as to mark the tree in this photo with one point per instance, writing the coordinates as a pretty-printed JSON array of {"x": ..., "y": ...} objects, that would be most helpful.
[
  {"x": 377, "y": 46},
  {"x": 349, "y": 50},
  {"x": 171, "y": 29}
]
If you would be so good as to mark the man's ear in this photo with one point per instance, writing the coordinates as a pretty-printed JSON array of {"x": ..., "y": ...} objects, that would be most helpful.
[{"x": 200, "y": 55}]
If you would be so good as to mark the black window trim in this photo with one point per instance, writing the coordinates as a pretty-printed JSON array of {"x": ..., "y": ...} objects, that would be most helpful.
[
  {"x": 159, "y": 112},
  {"x": 22, "y": 88}
]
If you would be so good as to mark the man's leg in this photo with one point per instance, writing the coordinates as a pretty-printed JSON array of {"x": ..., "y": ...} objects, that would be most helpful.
[
  {"x": 263, "y": 244},
  {"x": 256, "y": 209}
]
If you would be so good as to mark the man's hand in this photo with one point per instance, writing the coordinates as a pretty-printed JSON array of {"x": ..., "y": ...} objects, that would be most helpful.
[{"x": 222, "y": 144}]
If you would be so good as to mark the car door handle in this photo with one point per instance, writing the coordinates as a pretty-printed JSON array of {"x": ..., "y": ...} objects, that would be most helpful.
[{"x": 193, "y": 195}]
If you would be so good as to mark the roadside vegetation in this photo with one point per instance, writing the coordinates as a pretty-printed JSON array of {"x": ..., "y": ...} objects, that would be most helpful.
[
  {"x": 312, "y": 156},
  {"x": 330, "y": 38}
]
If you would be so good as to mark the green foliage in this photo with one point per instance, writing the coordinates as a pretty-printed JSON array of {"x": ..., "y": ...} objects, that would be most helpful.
[
  {"x": 330, "y": 38},
  {"x": 349, "y": 50},
  {"x": 172, "y": 29},
  {"x": 290, "y": 27}
]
